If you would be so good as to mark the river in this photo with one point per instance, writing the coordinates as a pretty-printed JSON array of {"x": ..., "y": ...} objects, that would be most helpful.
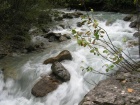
[{"x": 23, "y": 71}]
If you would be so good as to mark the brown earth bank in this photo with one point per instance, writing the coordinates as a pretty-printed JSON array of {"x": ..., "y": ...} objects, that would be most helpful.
[{"x": 123, "y": 88}]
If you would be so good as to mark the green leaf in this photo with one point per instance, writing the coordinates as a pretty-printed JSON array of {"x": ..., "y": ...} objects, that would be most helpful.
[
  {"x": 89, "y": 68},
  {"x": 83, "y": 16},
  {"x": 83, "y": 22},
  {"x": 74, "y": 31},
  {"x": 105, "y": 51},
  {"x": 96, "y": 34},
  {"x": 124, "y": 39},
  {"x": 107, "y": 70},
  {"x": 92, "y": 51},
  {"x": 109, "y": 67},
  {"x": 118, "y": 60},
  {"x": 84, "y": 43},
  {"x": 79, "y": 41}
]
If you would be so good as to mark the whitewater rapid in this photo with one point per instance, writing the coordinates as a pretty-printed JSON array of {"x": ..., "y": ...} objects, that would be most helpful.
[{"x": 29, "y": 68}]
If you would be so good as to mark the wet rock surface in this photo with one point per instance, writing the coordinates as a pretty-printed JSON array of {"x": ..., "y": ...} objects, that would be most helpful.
[
  {"x": 59, "y": 70},
  {"x": 72, "y": 15},
  {"x": 49, "y": 83},
  {"x": 56, "y": 37},
  {"x": 59, "y": 74},
  {"x": 136, "y": 34},
  {"x": 64, "y": 55},
  {"x": 128, "y": 18},
  {"x": 45, "y": 85},
  {"x": 121, "y": 89},
  {"x": 133, "y": 24}
]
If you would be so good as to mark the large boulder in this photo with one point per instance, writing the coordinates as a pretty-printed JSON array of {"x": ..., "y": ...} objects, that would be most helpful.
[
  {"x": 115, "y": 91},
  {"x": 45, "y": 85},
  {"x": 64, "y": 55},
  {"x": 59, "y": 70}
]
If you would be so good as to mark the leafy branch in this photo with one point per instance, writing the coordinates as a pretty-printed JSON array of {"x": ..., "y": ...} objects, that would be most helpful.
[{"x": 95, "y": 40}]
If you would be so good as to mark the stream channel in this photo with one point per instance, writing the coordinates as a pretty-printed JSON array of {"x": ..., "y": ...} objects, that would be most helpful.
[{"x": 23, "y": 71}]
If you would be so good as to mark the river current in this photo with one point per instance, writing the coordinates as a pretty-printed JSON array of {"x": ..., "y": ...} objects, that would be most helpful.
[{"x": 25, "y": 70}]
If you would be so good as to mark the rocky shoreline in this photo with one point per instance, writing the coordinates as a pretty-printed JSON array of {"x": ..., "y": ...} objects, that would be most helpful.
[{"x": 123, "y": 88}]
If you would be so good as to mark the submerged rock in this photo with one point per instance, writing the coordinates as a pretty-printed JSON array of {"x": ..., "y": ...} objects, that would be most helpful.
[
  {"x": 59, "y": 70},
  {"x": 56, "y": 37},
  {"x": 71, "y": 15},
  {"x": 136, "y": 34},
  {"x": 64, "y": 55},
  {"x": 62, "y": 38},
  {"x": 67, "y": 36},
  {"x": 79, "y": 24},
  {"x": 58, "y": 18},
  {"x": 68, "y": 16},
  {"x": 133, "y": 24},
  {"x": 128, "y": 18},
  {"x": 77, "y": 14},
  {"x": 34, "y": 47},
  {"x": 45, "y": 85},
  {"x": 131, "y": 43},
  {"x": 45, "y": 29},
  {"x": 50, "y": 34}
]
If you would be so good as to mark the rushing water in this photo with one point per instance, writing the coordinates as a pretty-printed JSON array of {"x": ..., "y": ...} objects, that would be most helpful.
[{"x": 24, "y": 71}]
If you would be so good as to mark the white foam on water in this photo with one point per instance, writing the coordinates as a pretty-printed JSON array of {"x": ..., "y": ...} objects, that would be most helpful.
[{"x": 18, "y": 92}]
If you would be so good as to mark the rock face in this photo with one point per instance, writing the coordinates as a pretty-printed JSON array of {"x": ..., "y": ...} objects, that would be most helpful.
[
  {"x": 64, "y": 55},
  {"x": 59, "y": 70},
  {"x": 45, "y": 85},
  {"x": 116, "y": 91}
]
